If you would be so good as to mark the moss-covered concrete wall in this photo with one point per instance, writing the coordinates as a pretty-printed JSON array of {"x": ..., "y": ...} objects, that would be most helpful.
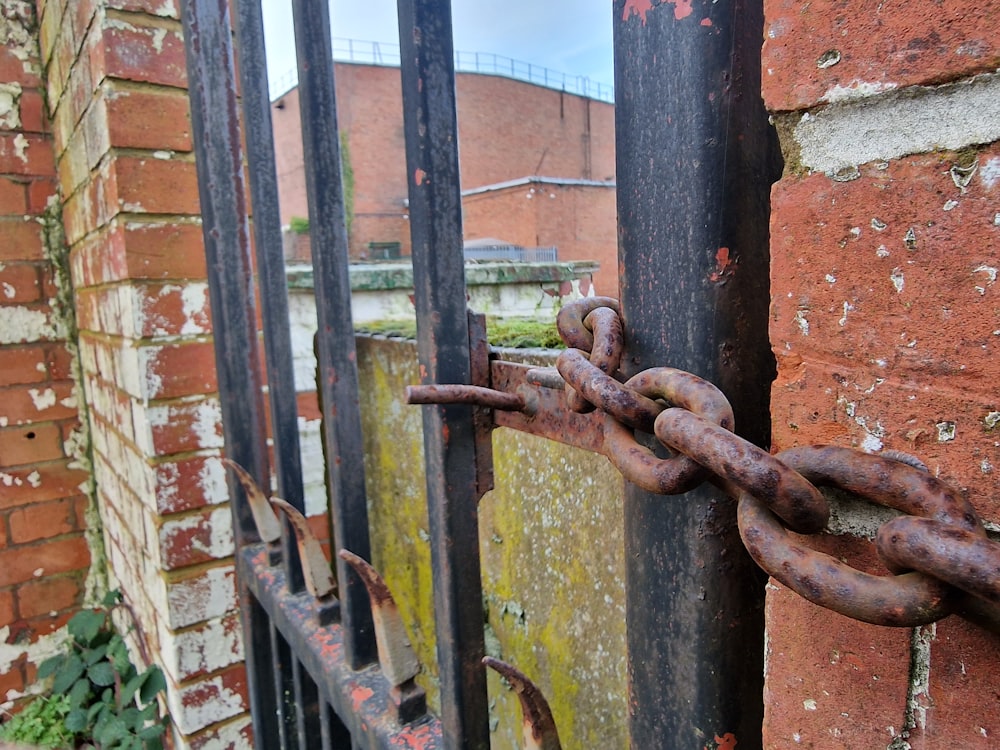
[{"x": 552, "y": 564}]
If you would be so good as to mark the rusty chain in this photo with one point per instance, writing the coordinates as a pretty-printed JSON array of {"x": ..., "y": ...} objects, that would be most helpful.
[{"x": 938, "y": 554}]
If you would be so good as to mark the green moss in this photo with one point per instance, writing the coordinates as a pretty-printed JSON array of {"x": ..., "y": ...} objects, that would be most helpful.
[
  {"x": 517, "y": 333},
  {"x": 785, "y": 123}
]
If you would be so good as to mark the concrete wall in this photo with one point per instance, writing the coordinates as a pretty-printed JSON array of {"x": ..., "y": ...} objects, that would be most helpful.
[{"x": 552, "y": 556}]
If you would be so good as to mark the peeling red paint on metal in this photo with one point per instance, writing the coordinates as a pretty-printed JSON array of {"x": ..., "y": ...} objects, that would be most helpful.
[
  {"x": 419, "y": 176},
  {"x": 359, "y": 695},
  {"x": 683, "y": 9},
  {"x": 706, "y": 22},
  {"x": 421, "y": 737},
  {"x": 725, "y": 265},
  {"x": 637, "y": 7},
  {"x": 725, "y": 742}
]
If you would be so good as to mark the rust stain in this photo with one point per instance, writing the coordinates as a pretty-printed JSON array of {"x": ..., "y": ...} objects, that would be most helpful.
[
  {"x": 725, "y": 265},
  {"x": 725, "y": 742},
  {"x": 419, "y": 176}
]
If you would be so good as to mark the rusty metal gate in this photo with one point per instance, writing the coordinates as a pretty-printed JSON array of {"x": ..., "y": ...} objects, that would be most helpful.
[{"x": 328, "y": 664}]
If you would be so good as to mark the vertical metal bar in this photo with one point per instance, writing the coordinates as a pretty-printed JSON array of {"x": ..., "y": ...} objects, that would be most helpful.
[
  {"x": 285, "y": 704},
  {"x": 695, "y": 161},
  {"x": 333, "y": 733},
  {"x": 308, "y": 716},
  {"x": 431, "y": 129},
  {"x": 222, "y": 193},
  {"x": 338, "y": 374},
  {"x": 271, "y": 272}
]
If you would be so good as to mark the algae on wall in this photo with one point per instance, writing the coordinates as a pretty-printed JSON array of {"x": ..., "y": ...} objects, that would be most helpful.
[{"x": 552, "y": 558}]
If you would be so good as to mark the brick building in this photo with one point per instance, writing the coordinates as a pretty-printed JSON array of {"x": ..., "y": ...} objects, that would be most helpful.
[{"x": 537, "y": 164}]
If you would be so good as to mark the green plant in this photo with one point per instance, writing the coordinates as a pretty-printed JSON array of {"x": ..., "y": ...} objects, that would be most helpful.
[
  {"x": 299, "y": 224},
  {"x": 110, "y": 703},
  {"x": 40, "y": 724}
]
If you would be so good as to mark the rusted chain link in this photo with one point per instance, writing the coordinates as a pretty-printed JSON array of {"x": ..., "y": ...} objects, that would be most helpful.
[{"x": 940, "y": 557}]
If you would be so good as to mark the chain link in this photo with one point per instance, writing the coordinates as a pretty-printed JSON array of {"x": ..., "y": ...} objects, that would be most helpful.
[{"x": 940, "y": 560}]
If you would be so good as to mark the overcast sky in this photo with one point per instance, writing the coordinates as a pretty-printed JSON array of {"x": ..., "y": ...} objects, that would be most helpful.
[{"x": 567, "y": 36}]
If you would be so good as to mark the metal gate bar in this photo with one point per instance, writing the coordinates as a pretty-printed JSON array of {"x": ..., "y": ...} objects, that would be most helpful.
[
  {"x": 688, "y": 136},
  {"x": 225, "y": 229},
  {"x": 693, "y": 141},
  {"x": 335, "y": 349},
  {"x": 431, "y": 129}
]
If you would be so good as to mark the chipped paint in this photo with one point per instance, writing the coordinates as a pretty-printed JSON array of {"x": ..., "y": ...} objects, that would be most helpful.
[
  {"x": 12, "y": 653},
  {"x": 24, "y": 325},
  {"x": 897, "y": 279},
  {"x": 946, "y": 431},
  {"x": 802, "y": 322},
  {"x": 989, "y": 174},
  {"x": 10, "y": 111},
  {"x": 855, "y": 91}
]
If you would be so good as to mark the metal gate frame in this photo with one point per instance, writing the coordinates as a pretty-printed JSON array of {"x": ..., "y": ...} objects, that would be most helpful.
[{"x": 695, "y": 159}]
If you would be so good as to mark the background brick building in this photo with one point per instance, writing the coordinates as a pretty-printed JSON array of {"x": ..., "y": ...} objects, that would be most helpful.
[{"x": 537, "y": 164}]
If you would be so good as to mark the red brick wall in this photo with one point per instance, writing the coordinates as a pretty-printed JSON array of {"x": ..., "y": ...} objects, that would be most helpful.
[
  {"x": 578, "y": 219},
  {"x": 44, "y": 555},
  {"x": 115, "y": 76},
  {"x": 885, "y": 321},
  {"x": 507, "y": 130}
]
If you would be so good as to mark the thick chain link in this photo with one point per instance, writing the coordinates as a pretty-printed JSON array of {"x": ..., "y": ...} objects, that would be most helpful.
[{"x": 939, "y": 557}]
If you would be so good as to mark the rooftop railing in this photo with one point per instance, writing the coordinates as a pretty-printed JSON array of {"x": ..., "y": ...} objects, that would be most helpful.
[{"x": 487, "y": 63}]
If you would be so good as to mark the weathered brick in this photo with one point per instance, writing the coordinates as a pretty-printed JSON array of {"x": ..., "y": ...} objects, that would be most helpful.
[
  {"x": 44, "y": 521},
  {"x": 827, "y": 49},
  {"x": 164, "y": 251},
  {"x": 13, "y": 196},
  {"x": 20, "y": 239},
  {"x": 162, "y": 8},
  {"x": 34, "y": 118},
  {"x": 31, "y": 444},
  {"x": 48, "y": 595},
  {"x": 194, "y": 597},
  {"x": 22, "y": 364},
  {"x": 12, "y": 681},
  {"x": 7, "y": 611},
  {"x": 183, "y": 369},
  {"x": 40, "y": 191},
  {"x": 136, "y": 118},
  {"x": 157, "y": 186},
  {"x": 959, "y": 706},
  {"x": 832, "y": 682},
  {"x": 202, "y": 649},
  {"x": 39, "y": 483},
  {"x": 26, "y": 154},
  {"x": 196, "y": 537},
  {"x": 201, "y": 704},
  {"x": 172, "y": 428},
  {"x": 153, "y": 54},
  {"x": 38, "y": 403},
  {"x": 231, "y": 735},
  {"x": 15, "y": 70},
  {"x": 20, "y": 282},
  {"x": 189, "y": 482},
  {"x": 20, "y": 564}
]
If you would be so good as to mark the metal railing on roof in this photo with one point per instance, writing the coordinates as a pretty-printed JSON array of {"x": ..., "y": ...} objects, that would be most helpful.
[{"x": 487, "y": 63}]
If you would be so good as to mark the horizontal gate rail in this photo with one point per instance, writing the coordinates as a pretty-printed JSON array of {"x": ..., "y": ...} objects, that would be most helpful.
[{"x": 359, "y": 698}]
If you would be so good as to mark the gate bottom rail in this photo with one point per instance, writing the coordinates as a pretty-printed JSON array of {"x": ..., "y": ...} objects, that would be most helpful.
[{"x": 361, "y": 699}]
